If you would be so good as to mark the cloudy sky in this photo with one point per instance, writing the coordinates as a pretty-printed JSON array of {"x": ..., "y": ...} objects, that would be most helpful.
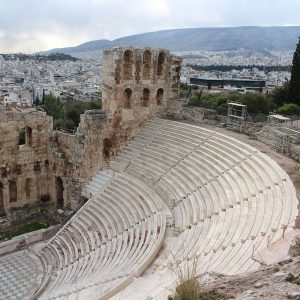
[{"x": 33, "y": 25}]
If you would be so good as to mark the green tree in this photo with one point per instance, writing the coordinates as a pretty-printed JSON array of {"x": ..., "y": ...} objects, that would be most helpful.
[
  {"x": 44, "y": 95},
  {"x": 294, "y": 86},
  {"x": 257, "y": 103},
  {"x": 36, "y": 102},
  {"x": 280, "y": 95},
  {"x": 59, "y": 124},
  {"x": 67, "y": 115},
  {"x": 54, "y": 107},
  {"x": 94, "y": 104},
  {"x": 73, "y": 113}
]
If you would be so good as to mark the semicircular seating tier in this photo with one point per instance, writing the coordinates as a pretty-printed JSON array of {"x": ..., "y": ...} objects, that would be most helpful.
[
  {"x": 227, "y": 198},
  {"x": 111, "y": 239},
  {"x": 211, "y": 199}
]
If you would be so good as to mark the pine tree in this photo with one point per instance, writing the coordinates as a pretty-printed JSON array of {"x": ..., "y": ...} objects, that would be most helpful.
[{"x": 294, "y": 86}]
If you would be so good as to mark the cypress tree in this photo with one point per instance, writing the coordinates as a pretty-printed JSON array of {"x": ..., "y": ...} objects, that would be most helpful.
[{"x": 294, "y": 86}]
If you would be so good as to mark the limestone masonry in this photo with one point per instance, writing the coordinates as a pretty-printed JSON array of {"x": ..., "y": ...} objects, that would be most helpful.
[
  {"x": 151, "y": 195},
  {"x": 138, "y": 84}
]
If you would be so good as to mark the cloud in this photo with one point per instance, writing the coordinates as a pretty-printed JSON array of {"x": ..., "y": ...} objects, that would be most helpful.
[{"x": 34, "y": 25}]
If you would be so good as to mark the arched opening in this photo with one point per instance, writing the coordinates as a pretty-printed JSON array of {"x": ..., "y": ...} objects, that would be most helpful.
[
  {"x": 13, "y": 192},
  {"x": 127, "y": 98},
  {"x": 28, "y": 136},
  {"x": 3, "y": 172},
  {"x": 159, "y": 96},
  {"x": 160, "y": 63},
  {"x": 146, "y": 97},
  {"x": 146, "y": 64},
  {"x": 28, "y": 187},
  {"x": 25, "y": 136},
  {"x": 37, "y": 166},
  {"x": 22, "y": 136},
  {"x": 59, "y": 187},
  {"x": 17, "y": 169},
  {"x": 1, "y": 197},
  {"x": 127, "y": 65},
  {"x": 107, "y": 145}
]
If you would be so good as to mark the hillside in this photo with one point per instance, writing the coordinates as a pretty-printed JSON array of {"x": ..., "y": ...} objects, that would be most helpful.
[
  {"x": 51, "y": 57},
  {"x": 214, "y": 39}
]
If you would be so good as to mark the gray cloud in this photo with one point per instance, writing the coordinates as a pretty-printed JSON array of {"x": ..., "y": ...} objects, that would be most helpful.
[{"x": 34, "y": 25}]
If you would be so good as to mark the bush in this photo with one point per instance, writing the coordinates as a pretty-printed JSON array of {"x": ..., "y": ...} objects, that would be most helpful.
[
  {"x": 280, "y": 95},
  {"x": 289, "y": 109},
  {"x": 53, "y": 107},
  {"x": 257, "y": 103},
  {"x": 222, "y": 109}
]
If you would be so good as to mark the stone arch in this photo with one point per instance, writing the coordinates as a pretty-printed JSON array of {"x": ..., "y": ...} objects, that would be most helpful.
[
  {"x": 160, "y": 63},
  {"x": 28, "y": 187},
  {"x": 59, "y": 189},
  {"x": 22, "y": 136},
  {"x": 107, "y": 145},
  {"x": 13, "y": 191},
  {"x": 1, "y": 196},
  {"x": 146, "y": 97},
  {"x": 127, "y": 98},
  {"x": 37, "y": 166},
  {"x": 159, "y": 96},
  {"x": 127, "y": 65},
  {"x": 25, "y": 136},
  {"x": 146, "y": 64},
  {"x": 28, "y": 136}
]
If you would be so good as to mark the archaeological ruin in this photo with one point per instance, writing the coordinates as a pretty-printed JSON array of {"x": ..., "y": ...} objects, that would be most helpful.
[
  {"x": 148, "y": 193},
  {"x": 38, "y": 163}
]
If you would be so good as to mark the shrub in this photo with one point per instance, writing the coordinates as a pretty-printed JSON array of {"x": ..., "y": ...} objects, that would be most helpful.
[
  {"x": 280, "y": 95},
  {"x": 289, "y": 109},
  {"x": 257, "y": 103}
]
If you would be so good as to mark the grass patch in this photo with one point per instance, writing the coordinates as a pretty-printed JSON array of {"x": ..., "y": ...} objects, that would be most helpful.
[
  {"x": 191, "y": 290},
  {"x": 188, "y": 287},
  {"x": 187, "y": 290},
  {"x": 24, "y": 229}
]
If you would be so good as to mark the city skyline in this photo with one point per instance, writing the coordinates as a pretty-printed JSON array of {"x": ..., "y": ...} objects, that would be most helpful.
[{"x": 34, "y": 26}]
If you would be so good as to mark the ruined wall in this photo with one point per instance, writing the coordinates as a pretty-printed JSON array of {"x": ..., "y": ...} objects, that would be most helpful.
[
  {"x": 138, "y": 84},
  {"x": 24, "y": 157},
  {"x": 76, "y": 158}
]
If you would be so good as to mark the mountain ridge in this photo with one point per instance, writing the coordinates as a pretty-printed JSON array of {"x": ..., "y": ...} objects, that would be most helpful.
[{"x": 253, "y": 38}]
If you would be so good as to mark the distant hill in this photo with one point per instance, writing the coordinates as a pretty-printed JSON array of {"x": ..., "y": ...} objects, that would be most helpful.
[
  {"x": 214, "y": 39},
  {"x": 50, "y": 57}
]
